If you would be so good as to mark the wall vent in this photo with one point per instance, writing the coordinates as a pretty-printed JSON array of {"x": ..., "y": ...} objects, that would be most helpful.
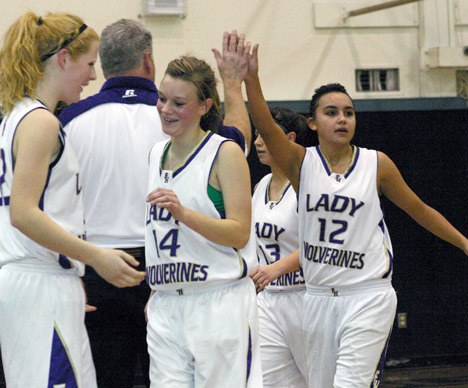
[
  {"x": 165, "y": 7},
  {"x": 377, "y": 80}
]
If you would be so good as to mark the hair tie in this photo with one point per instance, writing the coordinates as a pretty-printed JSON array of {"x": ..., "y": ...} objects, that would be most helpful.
[{"x": 39, "y": 21}]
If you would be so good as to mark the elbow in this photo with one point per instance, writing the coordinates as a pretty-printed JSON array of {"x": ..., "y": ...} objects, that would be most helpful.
[
  {"x": 242, "y": 243},
  {"x": 242, "y": 240},
  {"x": 18, "y": 217}
]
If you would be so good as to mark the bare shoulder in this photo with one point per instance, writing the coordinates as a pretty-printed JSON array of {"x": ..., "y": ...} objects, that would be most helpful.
[
  {"x": 385, "y": 164},
  {"x": 38, "y": 130},
  {"x": 390, "y": 180},
  {"x": 230, "y": 161},
  {"x": 382, "y": 157},
  {"x": 40, "y": 120},
  {"x": 230, "y": 149}
]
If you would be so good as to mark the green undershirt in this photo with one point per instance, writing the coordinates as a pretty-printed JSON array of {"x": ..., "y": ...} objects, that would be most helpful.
[{"x": 215, "y": 195}]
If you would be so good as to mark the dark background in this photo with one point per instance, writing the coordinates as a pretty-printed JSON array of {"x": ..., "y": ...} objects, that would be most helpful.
[{"x": 430, "y": 276}]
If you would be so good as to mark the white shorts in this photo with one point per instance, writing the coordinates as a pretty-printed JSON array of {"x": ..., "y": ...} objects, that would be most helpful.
[
  {"x": 43, "y": 338},
  {"x": 281, "y": 342},
  {"x": 346, "y": 332},
  {"x": 207, "y": 337}
]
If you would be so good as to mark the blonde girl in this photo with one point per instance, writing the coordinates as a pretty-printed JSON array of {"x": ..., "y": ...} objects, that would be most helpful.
[{"x": 43, "y": 340}]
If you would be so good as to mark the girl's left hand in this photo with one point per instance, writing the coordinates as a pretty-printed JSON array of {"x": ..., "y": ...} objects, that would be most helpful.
[{"x": 263, "y": 275}]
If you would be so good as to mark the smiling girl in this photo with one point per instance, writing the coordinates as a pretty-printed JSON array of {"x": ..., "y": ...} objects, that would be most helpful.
[
  {"x": 202, "y": 321},
  {"x": 43, "y": 339}
]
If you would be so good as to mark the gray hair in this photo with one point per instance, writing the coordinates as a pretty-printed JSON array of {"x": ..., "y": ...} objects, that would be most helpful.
[{"x": 122, "y": 46}]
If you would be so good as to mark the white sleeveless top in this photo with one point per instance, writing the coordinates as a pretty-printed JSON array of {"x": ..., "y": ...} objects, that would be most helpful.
[
  {"x": 61, "y": 199},
  {"x": 276, "y": 231},
  {"x": 177, "y": 256},
  {"x": 344, "y": 237}
]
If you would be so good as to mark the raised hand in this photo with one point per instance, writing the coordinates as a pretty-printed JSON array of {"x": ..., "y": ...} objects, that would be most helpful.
[
  {"x": 233, "y": 61},
  {"x": 253, "y": 62}
]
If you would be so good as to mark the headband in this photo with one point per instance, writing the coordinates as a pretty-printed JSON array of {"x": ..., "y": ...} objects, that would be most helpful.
[{"x": 65, "y": 43}]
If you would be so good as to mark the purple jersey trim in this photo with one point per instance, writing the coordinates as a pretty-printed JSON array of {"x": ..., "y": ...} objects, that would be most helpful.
[
  {"x": 64, "y": 261},
  {"x": 353, "y": 166},
  {"x": 325, "y": 164},
  {"x": 187, "y": 162},
  {"x": 324, "y": 161}
]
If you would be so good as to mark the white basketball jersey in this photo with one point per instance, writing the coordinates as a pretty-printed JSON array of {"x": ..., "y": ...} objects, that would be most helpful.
[
  {"x": 61, "y": 199},
  {"x": 344, "y": 237},
  {"x": 276, "y": 230},
  {"x": 177, "y": 256}
]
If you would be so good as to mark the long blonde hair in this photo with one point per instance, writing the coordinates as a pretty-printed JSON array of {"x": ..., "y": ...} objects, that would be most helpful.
[{"x": 29, "y": 42}]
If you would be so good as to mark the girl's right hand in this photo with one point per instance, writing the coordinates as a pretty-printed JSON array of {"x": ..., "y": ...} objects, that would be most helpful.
[{"x": 114, "y": 266}]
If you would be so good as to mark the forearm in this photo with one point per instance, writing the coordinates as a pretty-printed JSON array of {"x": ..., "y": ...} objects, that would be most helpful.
[
  {"x": 437, "y": 224},
  {"x": 261, "y": 116},
  {"x": 287, "y": 154},
  {"x": 393, "y": 186},
  {"x": 40, "y": 228},
  {"x": 227, "y": 232},
  {"x": 287, "y": 264},
  {"x": 236, "y": 114}
]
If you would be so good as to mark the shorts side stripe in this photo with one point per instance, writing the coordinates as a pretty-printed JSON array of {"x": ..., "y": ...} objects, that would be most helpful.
[
  {"x": 61, "y": 372},
  {"x": 249, "y": 355},
  {"x": 380, "y": 366}
]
